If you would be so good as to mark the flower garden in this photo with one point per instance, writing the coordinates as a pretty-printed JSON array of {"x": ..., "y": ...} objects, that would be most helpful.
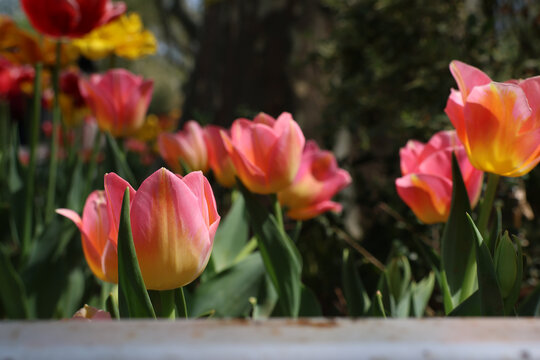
[{"x": 111, "y": 211}]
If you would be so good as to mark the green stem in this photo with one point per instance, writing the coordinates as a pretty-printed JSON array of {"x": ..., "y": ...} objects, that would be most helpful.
[
  {"x": 53, "y": 169},
  {"x": 180, "y": 300},
  {"x": 34, "y": 138},
  {"x": 167, "y": 307},
  {"x": 4, "y": 133},
  {"x": 487, "y": 202},
  {"x": 278, "y": 212}
]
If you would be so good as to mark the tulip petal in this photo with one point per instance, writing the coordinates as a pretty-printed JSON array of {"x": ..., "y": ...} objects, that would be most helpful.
[
  {"x": 285, "y": 155},
  {"x": 200, "y": 187},
  {"x": 115, "y": 187},
  {"x": 109, "y": 262},
  {"x": 493, "y": 115},
  {"x": 314, "y": 210},
  {"x": 410, "y": 156},
  {"x": 428, "y": 196},
  {"x": 454, "y": 110},
  {"x": 531, "y": 87},
  {"x": 467, "y": 77},
  {"x": 172, "y": 236}
]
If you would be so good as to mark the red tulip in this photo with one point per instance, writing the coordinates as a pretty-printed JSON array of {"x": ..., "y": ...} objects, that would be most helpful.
[
  {"x": 118, "y": 99},
  {"x": 219, "y": 159},
  {"x": 187, "y": 145},
  {"x": 317, "y": 181},
  {"x": 71, "y": 18},
  {"x": 265, "y": 152},
  {"x": 426, "y": 184}
]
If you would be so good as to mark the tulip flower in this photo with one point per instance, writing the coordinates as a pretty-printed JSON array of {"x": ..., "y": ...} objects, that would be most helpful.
[
  {"x": 265, "y": 152},
  {"x": 187, "y": 145},
  {"x": 118, "y": 99},
  {"x": 426, "y": 184},
  {"x": 496, "y": 122},
  {"x": 99, "y": 240},
  {"x": 173, "y": 220},
  {"x": 70, "y": 18},
  {"x": 317, "y": 181},
  {"x": 89, "y": 313},
  {"x": 219, "y": 159},
  {"x": 123, "y": 37}
]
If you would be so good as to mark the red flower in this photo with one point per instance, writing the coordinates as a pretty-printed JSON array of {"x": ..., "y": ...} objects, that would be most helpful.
[{"x": 71, "y": 18}]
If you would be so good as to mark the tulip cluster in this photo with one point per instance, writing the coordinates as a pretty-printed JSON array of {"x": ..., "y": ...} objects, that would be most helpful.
[{"x": 267, "y": 155}]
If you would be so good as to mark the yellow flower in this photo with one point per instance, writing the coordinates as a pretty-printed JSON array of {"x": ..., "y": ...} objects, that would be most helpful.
[
  {"x": 124, "y": 37},
  {"x": 22, "y": 47}
]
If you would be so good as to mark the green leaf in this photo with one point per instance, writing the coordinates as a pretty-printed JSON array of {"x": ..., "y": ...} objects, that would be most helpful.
[
  {"x": 120, "y": 160},
  {"x": 14, "y": 180},
  {"x": 355, "y": 294},
  {"x": 491, "y": 302},
  {"x": 133, "y": 299},
  {"x": 231, "y": 236},
  {"x": 457, "y": 248},
  {"x": 469, "y": 307},
  {"x": 280, "y": 256},
  {"x": 13, "y": 295},
  {"x": 309, "y": 305},
  {"x": 228, "y": 293},
  {"x": 421, "y": 292}
]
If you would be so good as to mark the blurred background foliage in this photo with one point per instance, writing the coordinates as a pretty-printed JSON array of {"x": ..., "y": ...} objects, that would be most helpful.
[{"x": 361, "y": 77}]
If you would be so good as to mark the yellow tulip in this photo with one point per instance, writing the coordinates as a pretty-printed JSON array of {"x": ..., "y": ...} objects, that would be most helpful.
[{"x": 124, "y": 37}]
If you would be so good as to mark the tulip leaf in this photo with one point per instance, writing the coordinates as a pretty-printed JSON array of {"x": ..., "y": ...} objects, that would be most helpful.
[
  {"x": 133, "y": 299},
  {"x": 228, "y": 293},
  {"x": 72, "y": 295},
  {"x": 281, "y": 258},
  {"x": 496, "y": 231},
  {"x": 231, "y": 236},
  {"x": 491, "y": 302},
  {"x": 13, "y": 294},
  {"x": 421, "y": 293},
  {"x": 457, "y": 248},
  {"x": 355, "y": 294},
  {"x": 469, "y": 307}
]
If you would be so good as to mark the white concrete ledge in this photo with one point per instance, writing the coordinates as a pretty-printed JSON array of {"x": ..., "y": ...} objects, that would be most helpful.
[{"x": 433, "y": 338}]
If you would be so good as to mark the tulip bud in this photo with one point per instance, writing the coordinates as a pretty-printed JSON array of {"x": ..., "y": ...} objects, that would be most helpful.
[{"x": 506, "y": 263}]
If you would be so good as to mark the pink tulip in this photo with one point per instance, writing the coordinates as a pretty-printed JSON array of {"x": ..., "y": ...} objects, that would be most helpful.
[
  {"x": 498, "y": 123},
  {"x": 89, "y": 313},
  {"x": 219, "y": 159},
  {"x": 265, "y": 152},
  {"x": 173, "y": 220},
  {"x": 317, "y": 181},
  {"x": 99, "y": 240},
  {"x": 118, "y": 99},
  {"x": 187, "y": 145},
  {"x": 426, "y": 184}
]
